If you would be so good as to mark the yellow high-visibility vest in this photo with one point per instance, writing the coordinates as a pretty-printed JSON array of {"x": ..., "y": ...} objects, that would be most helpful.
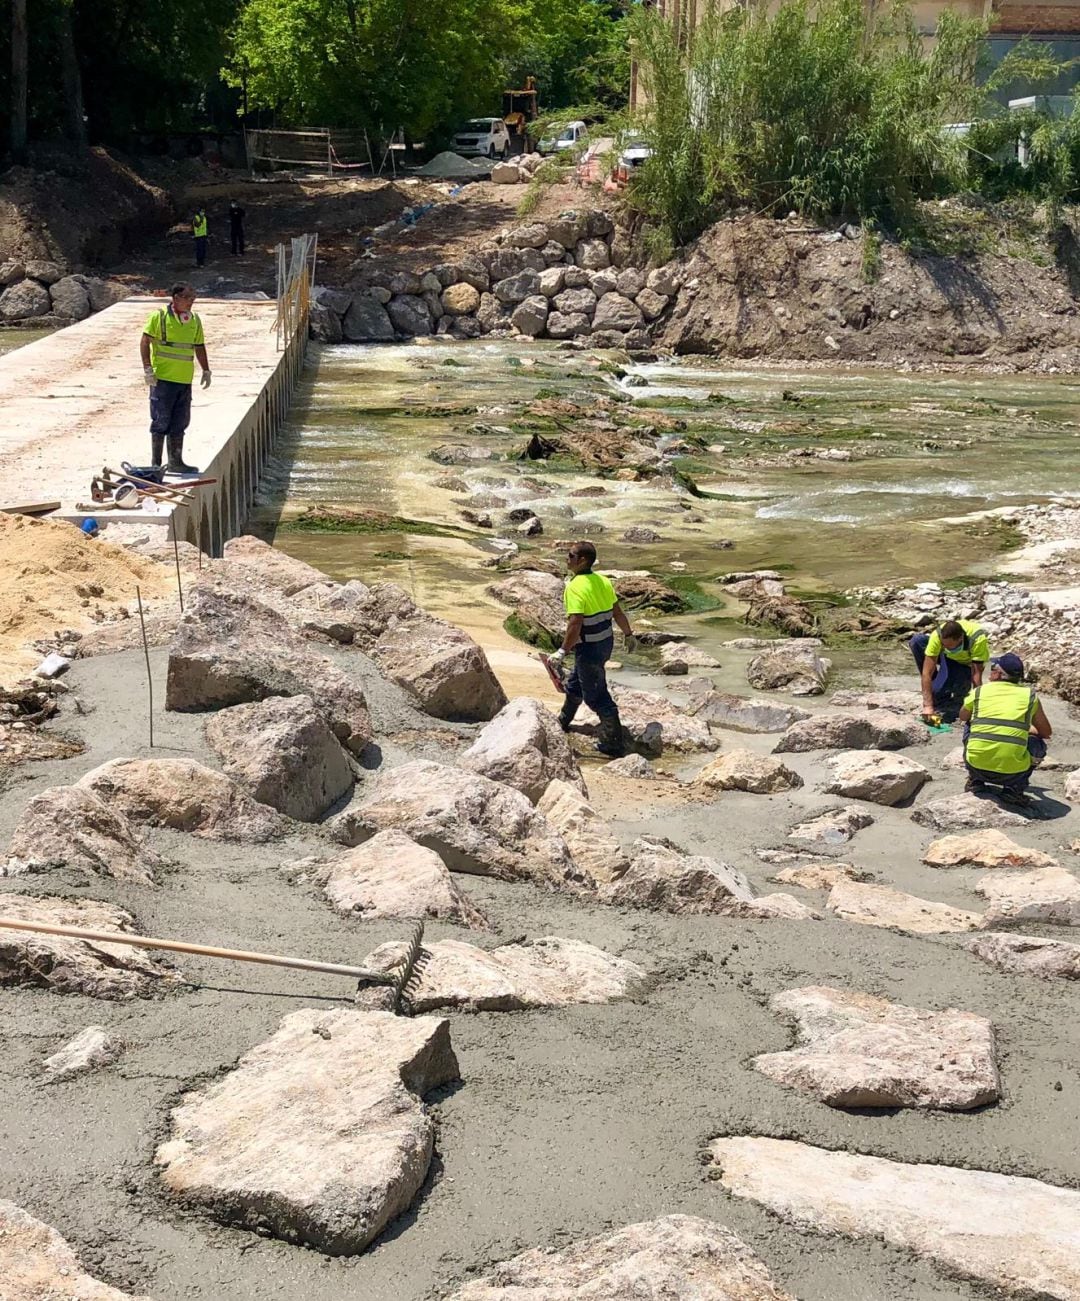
[
  {"x": 1001, "y": 714},
  {"x": 198, "y": 224}
]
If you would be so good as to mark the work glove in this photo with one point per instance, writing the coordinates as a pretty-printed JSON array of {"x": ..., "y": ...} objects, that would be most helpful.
[
  {"x": 631, "y": 643},
  {"x": 149, "y": 376},
  {"x": 205, "y": 381},
  {"x": 557, "y": 657}
]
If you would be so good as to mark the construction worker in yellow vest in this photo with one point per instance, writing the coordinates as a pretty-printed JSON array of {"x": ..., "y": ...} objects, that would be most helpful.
[
  {"x": 1006, "y": 732},
  {"x": 951, "y": 660},
  {"x": 172, "y": 340},
  {"x": 200, "y": 229}
]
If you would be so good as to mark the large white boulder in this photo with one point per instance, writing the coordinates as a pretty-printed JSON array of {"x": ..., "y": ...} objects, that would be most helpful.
[{"x": 524, "y": 747}]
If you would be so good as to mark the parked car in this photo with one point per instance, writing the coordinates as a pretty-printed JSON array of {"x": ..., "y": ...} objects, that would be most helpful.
[
  {"x": 483, "y": 136},
  {"x": 634, "y": 154},
  {"x": 571, "y": 134}
]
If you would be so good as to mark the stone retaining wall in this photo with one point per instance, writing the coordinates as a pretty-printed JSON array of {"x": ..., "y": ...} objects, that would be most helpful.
[
  {"x": 42, "y": 293},
  {"x": 573, "y": 276}
]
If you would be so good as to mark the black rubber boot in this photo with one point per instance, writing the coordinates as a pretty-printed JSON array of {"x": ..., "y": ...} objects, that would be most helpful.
[
  {"x": 176, "y": 460},
  {"x": 566, "y": 714},
  {"x": 611, "y": 737},
  {"x": 157, "y": 448}
]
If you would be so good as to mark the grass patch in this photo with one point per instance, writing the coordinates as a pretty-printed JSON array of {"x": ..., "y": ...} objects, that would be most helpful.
[{"x": 999, "y": 533}]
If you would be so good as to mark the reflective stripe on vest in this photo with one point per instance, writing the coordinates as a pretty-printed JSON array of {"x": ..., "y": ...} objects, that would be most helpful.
[
  {"x": 1004, "y": 749},
  {"x": 596, "y": 627}
]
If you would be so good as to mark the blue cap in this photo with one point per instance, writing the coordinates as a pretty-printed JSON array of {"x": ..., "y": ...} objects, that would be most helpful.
[{"x": 1011, "y": 665}]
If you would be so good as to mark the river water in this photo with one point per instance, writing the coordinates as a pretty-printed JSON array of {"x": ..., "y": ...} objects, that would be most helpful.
[{"x": 899, "y": 461}]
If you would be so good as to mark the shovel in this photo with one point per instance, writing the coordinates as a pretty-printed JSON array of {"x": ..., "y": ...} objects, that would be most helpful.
[{"x": 399, "y": 978}]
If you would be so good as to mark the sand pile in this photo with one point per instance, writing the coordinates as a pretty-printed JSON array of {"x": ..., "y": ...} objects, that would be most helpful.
[{"x": 52, "y": 577}]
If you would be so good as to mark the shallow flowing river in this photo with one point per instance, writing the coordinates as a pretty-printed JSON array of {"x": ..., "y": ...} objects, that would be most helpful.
[{"x": 837, "y": 478}]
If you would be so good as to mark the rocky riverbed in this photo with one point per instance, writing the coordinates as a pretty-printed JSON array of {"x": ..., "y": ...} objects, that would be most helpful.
[{"x": 778, "y": 1012}]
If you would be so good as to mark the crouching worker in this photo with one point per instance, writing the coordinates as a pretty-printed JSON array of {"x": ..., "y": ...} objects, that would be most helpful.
[
  {"x": 591, "y": 607},
  {"x": 1006, "y": 732},
  {"x": 951, "y": 660}
]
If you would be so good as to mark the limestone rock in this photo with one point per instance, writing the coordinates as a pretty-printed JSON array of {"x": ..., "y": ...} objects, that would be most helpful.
[
  {"x": 90, "y": 1050},
  {"x": 70, "y": 299},
  {"x": 591, "y": 254},
  {"x": 818, "y": 876},
  {"x": 69, "y": 966},
  {"x": 441, "y": 666},
  {"x": 878, "y": 905},
  {"x": 662, "y": 876},
  {"x": 231, "y": 649},
  {"x": 567, "y": 325},
  {"x": 524, "y": 747},
  {"x": 986, "y": 848},
  {"x": 324, "y": 325},
  {"x": 743, "y": 770},
  {"x": 183, "y": 795},
  {"x": 36, "y": 1264},
  {"x": 1027, "y": 955},
  {"x": 11, "y": 272},
  {"x": 633, "y": 766},
  {"x": 790, "y": 667},
  {"x": 677, "y": 658},
  {"x": 575, "y": 301},
  {"x": 854, "y": 1050},
  {"x": 23, "y": 300},
  {"x": 592, "y": 844},
  {"x": 652, "y": 304},
  {"x": 898, "y": 702},
  {"x": 875, "y": 775},
  {"x": 66, "y": 826},
  {"x": 614, "y": 312},
  {"x": 409, "y": 315},
  {"x": 516, "y": 288},
  {"x": 875, "y": 729},
  {"x": 638, "y": 709},
  {"x": 719, "y": 709},
  {"x": 460, "y": 300},
  {"x": 768, "y": 906},
  {"x": 366, "y": 321},
  {"x": 677, "y": 1258},
  {"x": 964, "y": 812},
  {"x": 1072, "y": 787},
  {"x": 529, "y": 317},
  {"x": 283, "y": 753},
  {"x": 44, "y": 270},
  {"x": 1017, "y": 1235},
  {"x": 103, "y": 293},
  {"x": 833, "y": 827},
  {"x": 267, "y": 569},
  {"x": 390, "y": 875},
  {"x": 552, "y": 281},
  {"x": 547, "y": 972},
  {"x": 317, "y": 1135},
  {"x": 474, "y": 824},
  {"x": 1048, "y": 894}
]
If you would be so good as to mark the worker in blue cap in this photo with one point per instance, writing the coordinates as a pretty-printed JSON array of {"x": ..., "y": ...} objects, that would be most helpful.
[{"x": 1005, "y": 732}]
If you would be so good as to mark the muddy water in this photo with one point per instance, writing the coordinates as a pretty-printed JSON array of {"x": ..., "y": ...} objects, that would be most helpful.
[
  {"x": 12, "y": 339},
  {"x": 837, "y": 478}
]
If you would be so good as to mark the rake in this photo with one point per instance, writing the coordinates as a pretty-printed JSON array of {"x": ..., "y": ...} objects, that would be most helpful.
[{"x": 402, "y": 978}]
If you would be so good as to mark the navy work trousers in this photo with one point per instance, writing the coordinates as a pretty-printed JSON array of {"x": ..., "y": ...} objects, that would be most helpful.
[
  {"x": 170, "y": 408},
  {"x": 1011, "y": 781},
  {"x": 952, "y": 682},
  {"x": 201, "y": 242},
  {"x": 588, "y": 680}
]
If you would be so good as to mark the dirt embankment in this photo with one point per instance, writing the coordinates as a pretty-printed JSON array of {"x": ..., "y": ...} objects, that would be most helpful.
[
  {"x": 85, "y": 209},
  {"x": 755, "y": 287}
]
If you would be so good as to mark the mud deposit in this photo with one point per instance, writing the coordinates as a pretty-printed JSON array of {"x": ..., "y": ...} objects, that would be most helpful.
[{"x": 565, "y": 1123}]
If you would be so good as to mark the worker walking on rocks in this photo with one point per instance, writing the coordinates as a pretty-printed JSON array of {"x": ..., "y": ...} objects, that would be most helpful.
[
  {"x": 200, "y": 229},
  {"x": 172, "y": 340},
  {"x": 591, "y": 607},
  {"x": 1006, "y": 732},
  {"x": 951, "y": 660}
]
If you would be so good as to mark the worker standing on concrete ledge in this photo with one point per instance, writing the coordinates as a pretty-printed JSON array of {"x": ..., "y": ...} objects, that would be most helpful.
[{"x": 172, "y": 340}]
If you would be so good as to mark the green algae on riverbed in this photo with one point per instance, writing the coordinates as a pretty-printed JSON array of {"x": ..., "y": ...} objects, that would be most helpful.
[{"x": 937, "y": 448}]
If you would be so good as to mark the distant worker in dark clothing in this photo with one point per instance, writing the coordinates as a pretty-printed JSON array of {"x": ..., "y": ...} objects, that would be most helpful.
[
  {"x": 591, "y": 607},
  {"x": 172, "y": 341},
  {"x": 236, "y": 228},
  {"x": 200, "y": 229}
]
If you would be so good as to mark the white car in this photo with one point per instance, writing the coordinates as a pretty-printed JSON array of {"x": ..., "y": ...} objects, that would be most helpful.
[
  {"x": 483, "y": 137},
  {"x": 634, "y": 154},
  {"x": 571, "y": 134}
]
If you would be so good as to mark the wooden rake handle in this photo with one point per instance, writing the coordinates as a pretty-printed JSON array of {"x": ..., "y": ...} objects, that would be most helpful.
[{"x": 203, "y": 950}]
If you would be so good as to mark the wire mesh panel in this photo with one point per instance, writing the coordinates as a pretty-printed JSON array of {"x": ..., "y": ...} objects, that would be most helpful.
[
  {"x": 295, "y": 276},
  {"x": 324, "y": 149}
]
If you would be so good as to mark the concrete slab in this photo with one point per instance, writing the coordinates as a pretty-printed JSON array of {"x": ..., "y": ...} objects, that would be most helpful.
[{"x": 76, "y": 401}]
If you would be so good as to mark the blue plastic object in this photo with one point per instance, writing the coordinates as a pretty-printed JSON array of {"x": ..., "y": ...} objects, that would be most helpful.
[{"x": 89, "y": 527}]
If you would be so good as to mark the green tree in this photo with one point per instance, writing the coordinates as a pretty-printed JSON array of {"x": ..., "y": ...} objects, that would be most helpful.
[{"x": 578, "y": 51}]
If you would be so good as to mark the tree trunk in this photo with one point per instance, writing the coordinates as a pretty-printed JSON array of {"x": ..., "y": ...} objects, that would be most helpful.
[
  {"x": 18, "y": 79},
  {"x": 74, "y": 120}
]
